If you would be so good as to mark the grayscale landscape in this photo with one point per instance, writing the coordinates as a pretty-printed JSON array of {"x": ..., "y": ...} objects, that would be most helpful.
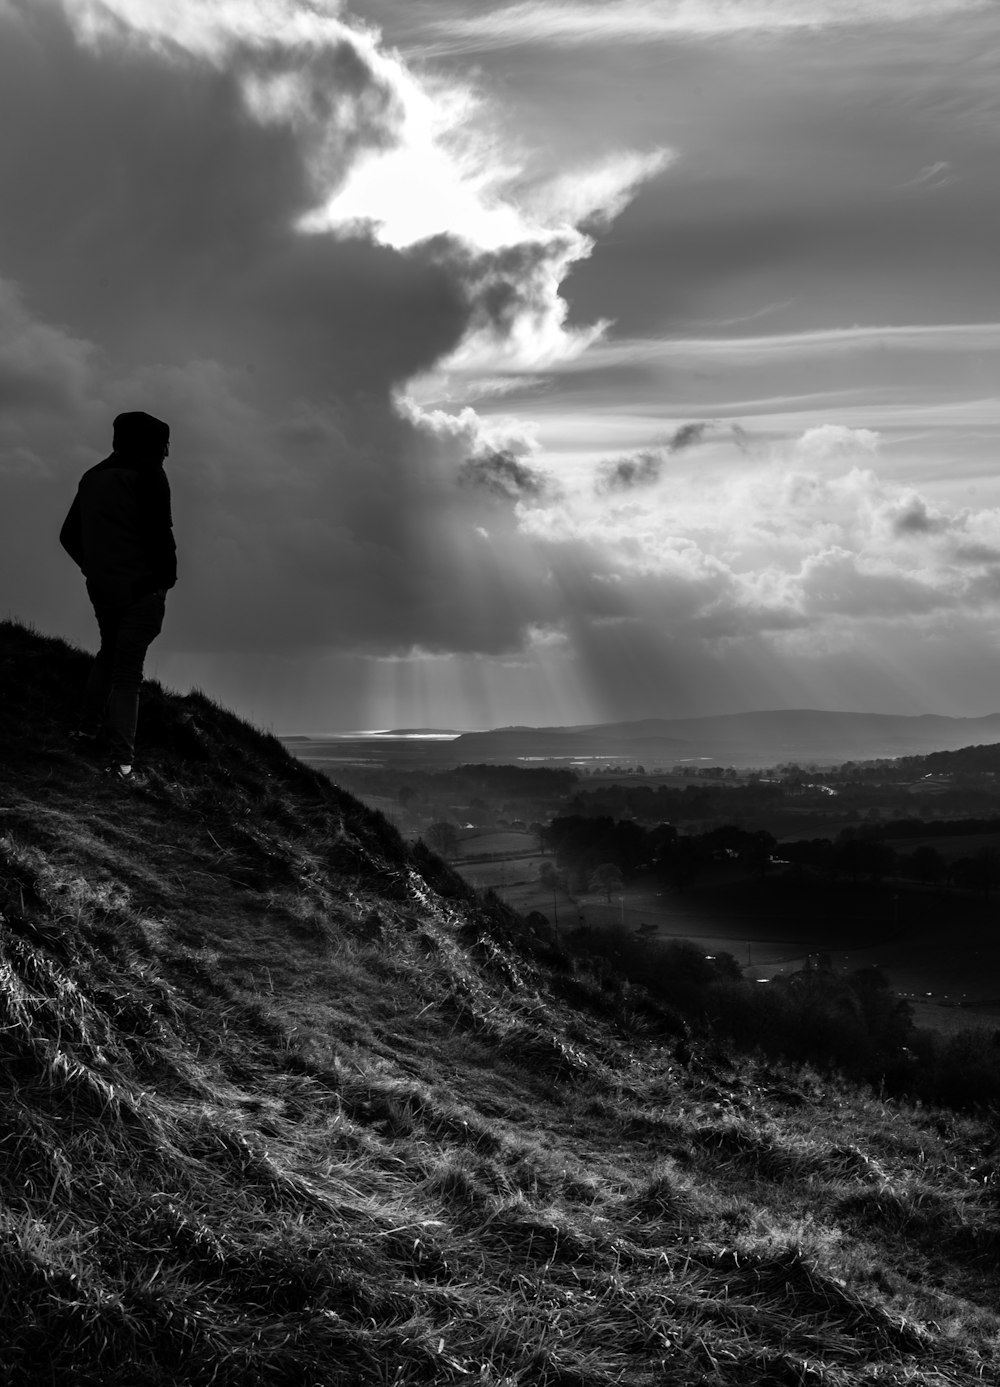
[{"x": 499, "y": 693}]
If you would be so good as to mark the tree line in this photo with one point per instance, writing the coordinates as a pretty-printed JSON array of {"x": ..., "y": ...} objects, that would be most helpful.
[{"x": 582, "y": 845}]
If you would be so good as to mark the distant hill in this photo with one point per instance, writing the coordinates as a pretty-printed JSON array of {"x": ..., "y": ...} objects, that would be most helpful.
[
  {"x": 757, "y": 738},
  {"x": 286, "y": 1104},
  {"x": 419, "y": 732}
]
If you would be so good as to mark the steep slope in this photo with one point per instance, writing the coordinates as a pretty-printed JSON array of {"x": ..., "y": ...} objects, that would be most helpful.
[{"x": 283, "y": 1103}]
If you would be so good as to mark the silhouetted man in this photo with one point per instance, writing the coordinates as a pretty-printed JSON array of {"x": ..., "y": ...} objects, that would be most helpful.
[{"x": 119, "y": 531}]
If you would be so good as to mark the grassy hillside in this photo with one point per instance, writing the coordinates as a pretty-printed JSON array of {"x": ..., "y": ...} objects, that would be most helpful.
[{"x": 283, "y": 1103}]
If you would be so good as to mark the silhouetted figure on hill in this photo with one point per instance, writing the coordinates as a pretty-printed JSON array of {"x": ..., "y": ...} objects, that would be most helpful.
[{"x": 120, "y": 533}]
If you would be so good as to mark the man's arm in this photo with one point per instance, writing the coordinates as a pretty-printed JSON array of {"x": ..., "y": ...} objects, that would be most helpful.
[
  {"x": 70, "y": 536},
  {"x": 157, "y": 523}
]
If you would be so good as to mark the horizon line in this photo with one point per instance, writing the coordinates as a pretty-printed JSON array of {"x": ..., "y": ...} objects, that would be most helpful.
[{"x": 451, "y": 734}]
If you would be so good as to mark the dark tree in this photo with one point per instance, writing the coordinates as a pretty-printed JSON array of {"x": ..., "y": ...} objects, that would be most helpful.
[
  {"x": 442, "y": 838},
  {"x": 607, "y": 878}
]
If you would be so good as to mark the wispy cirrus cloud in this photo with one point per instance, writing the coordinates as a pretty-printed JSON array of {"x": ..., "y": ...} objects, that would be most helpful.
[
  {"x": 596, "y": 192},
  {"x": 931, "y": 177},
  {"x": 584, "y": 22},
  {"x": 902, "y": 373},
  {"x": 931, "y": 337}
]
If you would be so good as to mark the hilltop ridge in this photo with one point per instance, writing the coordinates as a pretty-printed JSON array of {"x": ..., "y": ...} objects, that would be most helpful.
[{"x": 283, "y": 1101}]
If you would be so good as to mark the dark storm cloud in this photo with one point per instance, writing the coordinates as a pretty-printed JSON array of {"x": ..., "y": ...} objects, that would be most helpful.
[
  {"x": 622, "y": 474},
  {"x": 150, "y": 247},
  {"x": 916, "y": 519},
  {"x": 977, "y": 553},
  {"x": 146, "y": 203},
  {"x": 686, "y": 436},
  {"x": 504, "y": 475},
  {"x": 689, "y": 435},
  {"x": 645, "y": 467},
  {"x": 329, "y": 94},
  {"x": 509, "y": 290}
]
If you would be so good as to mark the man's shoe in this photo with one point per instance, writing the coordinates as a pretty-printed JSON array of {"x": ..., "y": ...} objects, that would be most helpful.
[{"x": 121, "y": 770}]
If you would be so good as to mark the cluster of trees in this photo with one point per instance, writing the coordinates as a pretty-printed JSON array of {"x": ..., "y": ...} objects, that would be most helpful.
[
  {"x": 497, "y": 782},
  {"x": 931, "y": 828},
  {"x": 491, "y": 788},
  {"x": 974, "y": 761},
  {"x": 779, "y": 801},
  {"x": 862, "y": 856},
  {"x": 818, "y": 1014},
  {"x": 845, "y": 1021},
  {"x": 585, "y": 848},
  {"x": 580, "y": 844},
  {"x": 653, "y": 804},
  {"x": 442, "y": 838},
  {"x": 484, "y": 794},
  {"x": 601, "y": 854}
]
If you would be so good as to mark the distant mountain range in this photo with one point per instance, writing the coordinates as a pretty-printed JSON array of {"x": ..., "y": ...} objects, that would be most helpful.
[{"x": 804, "y": 735}]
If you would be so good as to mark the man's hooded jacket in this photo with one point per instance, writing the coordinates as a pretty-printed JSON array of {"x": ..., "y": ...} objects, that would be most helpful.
[{"x": 119, "y": 529}]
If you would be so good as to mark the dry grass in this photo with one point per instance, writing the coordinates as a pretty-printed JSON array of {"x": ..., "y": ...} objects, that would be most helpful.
[{"x": 273, "y": 1110}]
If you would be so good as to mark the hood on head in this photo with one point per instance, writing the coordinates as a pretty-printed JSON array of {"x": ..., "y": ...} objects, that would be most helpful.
[{"x": 138, "y": 432}]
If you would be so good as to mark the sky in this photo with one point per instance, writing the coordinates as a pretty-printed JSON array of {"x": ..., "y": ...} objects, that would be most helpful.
[{"x": 526, "y": 363}]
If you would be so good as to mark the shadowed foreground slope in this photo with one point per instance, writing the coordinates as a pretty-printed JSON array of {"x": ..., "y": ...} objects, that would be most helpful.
[{"x": 281, "y": 1103}]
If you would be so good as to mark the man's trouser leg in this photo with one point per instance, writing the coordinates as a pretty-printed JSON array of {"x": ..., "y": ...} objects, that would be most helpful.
[
  {"x": 126, "y": 634},
  {"x": 98, "y": 688}
]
